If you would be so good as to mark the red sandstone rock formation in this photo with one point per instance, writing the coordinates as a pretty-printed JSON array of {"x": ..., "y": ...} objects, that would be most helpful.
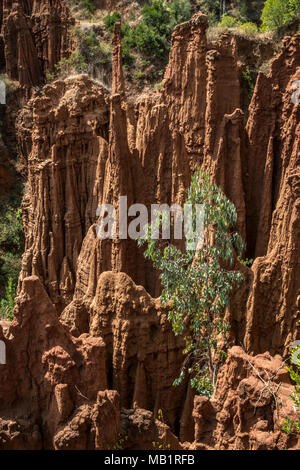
[
  {"x": 143, "y": 432},
  {"x": 251, "y": 400},
  {"x": 82, "y": 147},
  {"x": 142, "y": 354},
  {"x": 51, "y": 377},
  {"x": 273, "y": 212},
  {"x": 53, "y": 389},
  {"x": 35, "y": 34},
  {"x": 64, "y": 140}
]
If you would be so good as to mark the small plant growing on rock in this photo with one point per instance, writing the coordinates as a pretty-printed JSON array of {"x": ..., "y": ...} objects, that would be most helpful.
[
  {"x": 247, "y": 77},
  {"x": 50, "y": 76},
  {"x": 161, "y": 445},
  {"x": 246, "y": 261},
  {"x": 290, "y": 426},
  {"x": 121, "y": 442},
  {"x": 197, "y": 283}
]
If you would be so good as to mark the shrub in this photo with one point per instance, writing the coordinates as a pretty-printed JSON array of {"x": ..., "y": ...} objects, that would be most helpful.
[
  {"x": 227, "y": 22},
  {"x": 277, "y": 13},
  {"x": 110, "y": 20},
  {"x": 197, "y": 284},
  {"x": 149, "y": 42},
  {"x": 90, "y": 54},
  {"x": 91, "y": 50},
  {"x": 75, "y": 63},
  {"x": 181, "y": 11},
  {"x": 249, "y": 28},
  {"x": 139, "y": 75},
  {"x": 158, "y": 16},
  {"x": 11, "y": 227}
]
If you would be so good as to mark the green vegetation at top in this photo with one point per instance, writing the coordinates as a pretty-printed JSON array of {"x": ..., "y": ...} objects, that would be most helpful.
[
  {"x": 278, "y": 13},
  {"x": 197, "y": 283},
  {"x": 147, "y": 27},
  {"x": 151, "y": 37},
  {"x": 11, "y": 249},
  {"x": 242, "y": 10},
  {"x": 247, "y": 27},
  {"x": 252, "y": 17}
]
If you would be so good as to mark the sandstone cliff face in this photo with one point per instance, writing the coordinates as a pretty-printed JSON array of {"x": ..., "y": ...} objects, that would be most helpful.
[
  {"x": 82, "y": 147},
  {"x": 35, "y": 35},
  {"x": 142, "y": 354},
  {"x": 64, "y": 143},
  {"x": 149, "y": 156},
  {"x": 53, "y": 389},
  {"x": 49, "y": 376},
  {"x": 247, "y": 410},
  {"x": 272, "y": 188}
]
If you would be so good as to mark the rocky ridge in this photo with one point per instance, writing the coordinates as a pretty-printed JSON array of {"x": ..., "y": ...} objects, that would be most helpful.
[{"x": 88, "y": 330}]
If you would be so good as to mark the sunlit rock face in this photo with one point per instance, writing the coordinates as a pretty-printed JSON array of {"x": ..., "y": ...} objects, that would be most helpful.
[{"x": 92, "y": 341}]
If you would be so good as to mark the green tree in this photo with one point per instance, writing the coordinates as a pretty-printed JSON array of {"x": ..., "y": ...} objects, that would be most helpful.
[
  {"x": 197, "y": 283},
  {"x": 157, "y": 15},
  {"x": 181, "y": 10},
  {"x": 212, "y": 8},
  {"x": 294, "y": 7},
  {"x": 277, "y": 13}
]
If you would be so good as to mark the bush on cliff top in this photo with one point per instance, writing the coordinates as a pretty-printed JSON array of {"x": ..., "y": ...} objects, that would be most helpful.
[
  {"x": 197, "y": 283},
  {"x": 277, "y": 13},
  {"x": 247, "y": 27},
  {"x": 151, "y": 37}
]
